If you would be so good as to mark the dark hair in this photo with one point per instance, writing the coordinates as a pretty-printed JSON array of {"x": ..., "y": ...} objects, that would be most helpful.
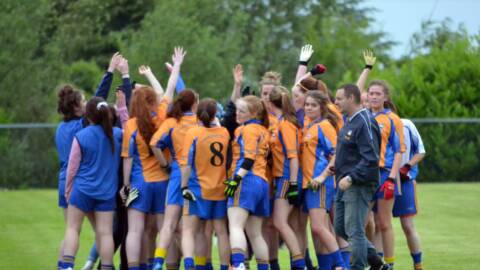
[
  {"x": 325, "y": 110},
  {"x": 352, "y": 90},
  {"x": 257, "y": 107},
  {"x": 386, "y": 91},
  {"x": 207, "y": 109},
  {"x": 100, "y": 115},
  {"x": 142, "y": 100},
  {"x": 311, "y": 83},
  {"x": 280, "y": 99},
  {"x": 69, "y": 100},
  {"x": 183, "y": 103}
]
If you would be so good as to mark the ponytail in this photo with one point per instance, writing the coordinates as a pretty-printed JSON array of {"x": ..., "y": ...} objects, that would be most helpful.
[
  {"x": 280, "y": 99},
  {"x": 264, "y": 115},
  {"x": 183, "y": 103},
  {"x": 143, "y": 99},
  {"x": 207, "y": 109},
  {"x": 99, "y": 113}
]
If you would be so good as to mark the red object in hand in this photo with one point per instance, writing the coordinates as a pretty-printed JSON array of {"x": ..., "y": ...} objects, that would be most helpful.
[
  {"x": 404, "y": 172},
  {"x": 321, "y": 68},
  {"x": 388, "y": 189}
]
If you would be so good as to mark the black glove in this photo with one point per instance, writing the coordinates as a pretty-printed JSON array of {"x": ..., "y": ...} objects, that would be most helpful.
[
  {"x": 293, "y": 194},
  {"x": 188, "y": 194},
  {"x": 404, "y": 172},
  {"x": 232, "y": 185}
]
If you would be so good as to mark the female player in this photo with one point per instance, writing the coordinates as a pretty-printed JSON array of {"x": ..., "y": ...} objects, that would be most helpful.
[
  {"x": 318, "y": 154},
  {"x": 171, "y": 135},
  {"x": 405, "y": 206},
  {"x": 203, "y": 165},
  {"x": 91, "y": 185},
  {"x": 285, "y": 149},
  {"x": 143, "y": 173},
  {"x": 248, "y": 189},
  {"x": 391, "y": 151}
]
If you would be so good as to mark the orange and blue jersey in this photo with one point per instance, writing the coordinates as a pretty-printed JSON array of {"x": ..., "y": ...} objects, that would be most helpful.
[
  {"x": 252, "y": 142},
  {"x": 205, "y": 151},
  {"x": 145, "y": 167},
  {"x": 398, "y": 128},
  {"x": 285, "y": 146},
  {"x": 171, "y": 134},
  {"x": 319, "y": 142},
  {"x": 390, "y": 144}
]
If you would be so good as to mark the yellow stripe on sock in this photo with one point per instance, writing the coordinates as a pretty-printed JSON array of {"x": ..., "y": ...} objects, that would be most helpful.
[
  {"x": 418, "y": 266},
  {"x": 390, "y": 260},
  {"x": 200, "y": 260},
  {"x": 160, "y": 253}
]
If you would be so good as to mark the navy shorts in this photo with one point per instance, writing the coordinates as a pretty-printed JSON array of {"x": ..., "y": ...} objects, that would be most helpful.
[
  {"x": 321, "y": 198},
  {"x": 406, "y": 204},
  {"x": 174, "y": 193},
  {"x": 383, "y": 177},
  {"x": 205, "y": 209},
  {"x": 62, "y": 201}
]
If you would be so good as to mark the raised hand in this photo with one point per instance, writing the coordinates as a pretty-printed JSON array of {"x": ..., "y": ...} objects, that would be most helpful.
[
  {"x": 144, "y": 70},
  {"x": 305, "y": 54},
  {"x": 122, "y": 66},
  {"x": 114, "y": 61},
  {"x": 238, "y": 74},
  {"x": 178, "y": 55},
  {"x": 369, "y": 58}
]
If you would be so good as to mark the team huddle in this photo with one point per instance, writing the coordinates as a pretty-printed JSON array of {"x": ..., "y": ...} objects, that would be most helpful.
[{"x": 159, "y": 177}]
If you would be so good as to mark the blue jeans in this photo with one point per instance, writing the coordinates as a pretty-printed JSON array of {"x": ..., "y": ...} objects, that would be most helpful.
[{"x": 351, "y": 209}]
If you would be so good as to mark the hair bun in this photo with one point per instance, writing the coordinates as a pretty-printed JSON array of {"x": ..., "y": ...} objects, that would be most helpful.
[{"x": 271, "y": 77}]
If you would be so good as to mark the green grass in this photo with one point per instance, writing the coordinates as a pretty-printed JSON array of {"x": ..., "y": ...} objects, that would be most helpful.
[{"x": 31, "y": 226}]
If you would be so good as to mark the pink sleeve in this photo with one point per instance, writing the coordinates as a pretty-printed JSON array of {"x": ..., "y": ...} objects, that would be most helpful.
[
  {"x": 73, "y": 164},
  {"x": 122, "y": 112}
]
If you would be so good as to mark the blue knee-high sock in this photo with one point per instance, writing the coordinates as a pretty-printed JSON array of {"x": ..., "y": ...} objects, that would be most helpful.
[
  {"x": 262, "y": 266},
  {"x": 68, "y": 261},
  {"x": 324, "y": 261},
  {"x": 237, "y": 259},
  {"x": 143, "y": 266},
  {"x": 188, "y": 263},
  {"x": 59, "y": 265},
  {"x": 346, "y": 258},
  {"x": 209, "y": 265},
  {"x": 150, "y": 263},
  {"x": 298, "y": 263},
  {"x": 336, "y": 258},
  {"x": 417, "y": 260},
  {"x": 274, "y": 265},
  {"x": 223, "y": 267},
  {"x": 308, "y": 260}
]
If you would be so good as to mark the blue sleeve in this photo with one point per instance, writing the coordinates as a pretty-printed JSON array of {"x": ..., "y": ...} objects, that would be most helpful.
[
  {"x": 180, "y": 84},
  {"x": 104, "y": 87},
  {"x": 127, "y": 89},
  {"x": 191, "y": 153},
  {"x": 393, "y": 139},
  {"x": 166, "y": 142}
]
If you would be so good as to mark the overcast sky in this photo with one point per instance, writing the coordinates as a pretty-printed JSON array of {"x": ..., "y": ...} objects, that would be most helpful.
[{"x": 400, "y": 19}]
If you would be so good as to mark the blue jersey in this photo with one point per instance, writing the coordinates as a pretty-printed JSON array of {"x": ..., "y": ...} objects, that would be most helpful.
[
  {"x": 97, "y": 175},
  {"x": 414, "y": 145},
  {"x": 63, "y": 140}
]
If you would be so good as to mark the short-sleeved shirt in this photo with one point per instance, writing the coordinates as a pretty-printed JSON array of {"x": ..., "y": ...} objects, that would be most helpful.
[
  {"x": 63, "y": 140},
  {"x": 414, "y": 145},
  {"x": 390, "y": 140},
  {"x": 205, "y": 150},
  {"x": 252, "y": 142},
  {"x": 319, "y": 143}
]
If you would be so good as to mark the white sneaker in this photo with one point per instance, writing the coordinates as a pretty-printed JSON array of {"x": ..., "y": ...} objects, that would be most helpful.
[{"x": 88, "y": 265}]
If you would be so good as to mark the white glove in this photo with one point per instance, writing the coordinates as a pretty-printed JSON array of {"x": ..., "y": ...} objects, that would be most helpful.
[
  {"x": 305, "y": 54},
  {"x": 132, "y": 195}
]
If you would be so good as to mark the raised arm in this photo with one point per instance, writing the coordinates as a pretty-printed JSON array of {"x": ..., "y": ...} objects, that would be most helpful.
[
  {"x": 305, "y": 56},
  {"x": 122, "y": 67},
  {"x": 237, "y": 82},
  {"x": 122, "y": 110},
  {"x": 177, "y": 59},
  {"x": 370, "y": 59},
  {"x": 147, "y": 72},
  {"x": 180, "y": 86},
  {"x": 104, "y": 87}
]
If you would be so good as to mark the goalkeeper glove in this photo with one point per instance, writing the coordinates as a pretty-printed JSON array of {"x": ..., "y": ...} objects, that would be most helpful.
[
  {"x": 388, "y": 188},
  {"x": 232, "y": 185}
]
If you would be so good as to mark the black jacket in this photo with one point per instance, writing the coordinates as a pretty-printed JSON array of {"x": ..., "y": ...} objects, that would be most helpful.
[{"x": 358, "y": 149}]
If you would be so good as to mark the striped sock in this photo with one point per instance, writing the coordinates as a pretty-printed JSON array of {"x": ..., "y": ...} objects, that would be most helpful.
[
  {"x": 200, "y": 263},
  {"x": 417, "y": 260},
  {"x": 68, "y": 261},
  {"x": 106, "y": 267},
  {"x": 133, "y": 266},
  {"x": 159, "y": 258},
  {"x": 298, "y": 261},
  {"x": 238, "y": 257},
  {"x": 263, "y": 264},
  {"x": 274, "y": 264},
  {"x": 390, "y": 261}
]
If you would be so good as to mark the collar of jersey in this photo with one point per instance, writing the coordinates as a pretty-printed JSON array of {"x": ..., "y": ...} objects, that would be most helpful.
[
  {"x": 252, "y": 121},
  {"x": 188, "y": 113},
  {"x": 384, "y": 111},
  {"x": 316, "y": 121}
]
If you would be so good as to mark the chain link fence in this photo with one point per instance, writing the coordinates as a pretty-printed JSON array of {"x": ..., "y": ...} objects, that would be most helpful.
[{"x": 28, "y": 158}]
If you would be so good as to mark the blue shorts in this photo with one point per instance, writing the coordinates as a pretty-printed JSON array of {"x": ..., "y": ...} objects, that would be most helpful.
[
  {"x": 62, "y": 201},
  {"x": 281, "y": 188},
  {"x": 151, "y": 197},
  {"x": 321, "y": 198},
  {"x": 406, "y": 204},
  {"x": 383, "y": 177},
  {"x": 253, "y": 194},
  {"x": 205, "y": 209},
  {"x": 174, "y": 193},
  {"x": 88, "y": 204}
]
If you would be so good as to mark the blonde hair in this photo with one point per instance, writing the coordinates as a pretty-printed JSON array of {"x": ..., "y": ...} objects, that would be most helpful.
[
  {"x": 256, "y": 107},
  {"x": 271, "y": 77}
]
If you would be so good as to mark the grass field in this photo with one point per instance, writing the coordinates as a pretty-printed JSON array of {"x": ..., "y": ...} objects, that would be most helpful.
[{"x": 31, "y": 226}]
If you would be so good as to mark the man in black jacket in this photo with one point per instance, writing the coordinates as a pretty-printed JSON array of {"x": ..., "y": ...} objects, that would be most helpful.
[{"x": 357, "y": 173}]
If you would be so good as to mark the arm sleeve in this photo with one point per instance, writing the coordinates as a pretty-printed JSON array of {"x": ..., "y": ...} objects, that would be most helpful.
[
  {"x": 123, "y": 115},
  {"x": 368, "y": 156},
  {"x": 73, "y": 163},
  {"x": 104, "y": 87},
  {"x": 127, "y": 89}
]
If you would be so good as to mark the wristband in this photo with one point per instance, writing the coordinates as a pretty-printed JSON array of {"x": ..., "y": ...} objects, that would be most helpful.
[
  {"x": 369, "y": 67},
  {"x": 391, "y": 179},
  {"x": 408, "y": 166},
  {"x": 303, "y": 63}
]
